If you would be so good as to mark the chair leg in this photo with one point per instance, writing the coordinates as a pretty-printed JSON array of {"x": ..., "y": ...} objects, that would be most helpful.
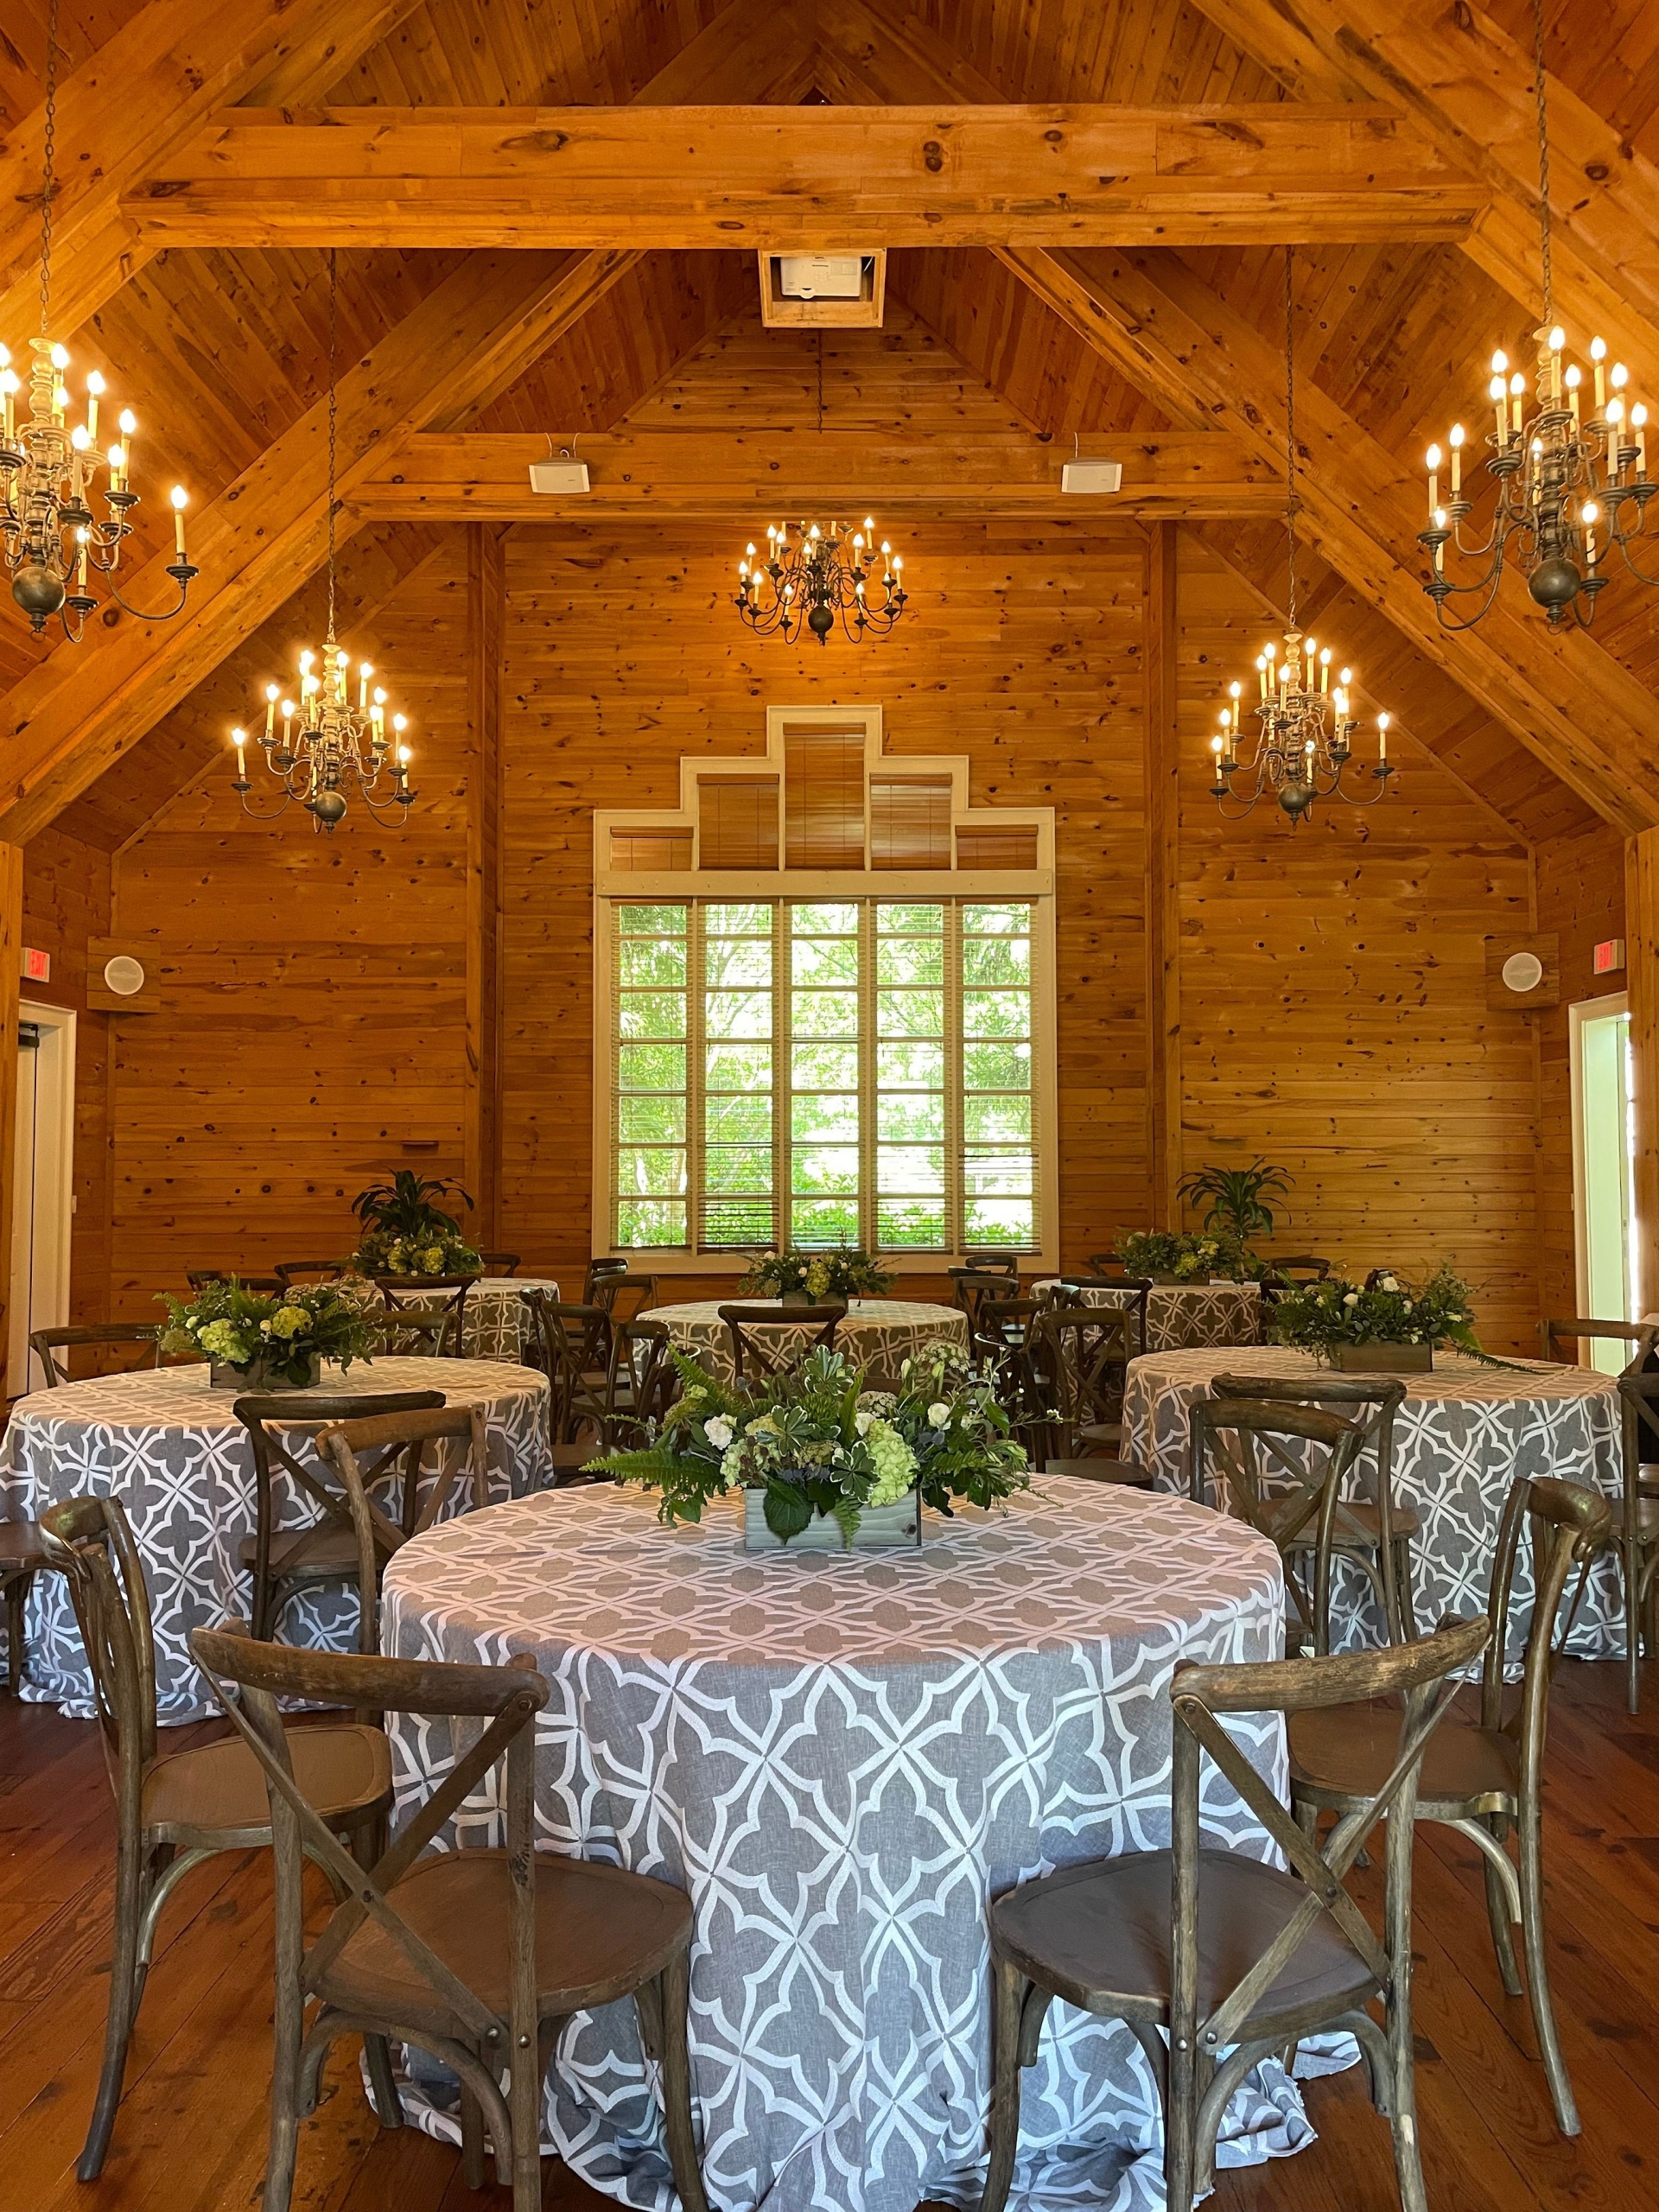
[
  {"x": 1497, "y": 1912},
  {"x": 1009, "y": 1987},
  {"x": 1403, "y": 2101},
  {"x": 17, "y": 1592},
  {"x": 1630, "y": 1563},
  {"x": 674, "y": 1995},
  {"x": 288, "y": 2037},
  {"x": 383, "y": 2084},
  {"x": 472, "y": 2140},
  {"x": 1543, "y": 2010},
  {"x": 1408, "y": 1630},
  {"x": 1181, "y": 2128},
  {"x": 124, "y": 2005}
]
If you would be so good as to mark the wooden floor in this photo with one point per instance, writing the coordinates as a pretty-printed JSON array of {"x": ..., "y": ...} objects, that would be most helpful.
[{"x": 191, "y": 2134}]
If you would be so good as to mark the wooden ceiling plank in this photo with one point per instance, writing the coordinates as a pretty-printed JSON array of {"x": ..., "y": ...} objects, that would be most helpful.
[
  {"x": 818, "y": 177},
  {"x": 130, "y": 103},
  {"x": 484, "y": 476}
]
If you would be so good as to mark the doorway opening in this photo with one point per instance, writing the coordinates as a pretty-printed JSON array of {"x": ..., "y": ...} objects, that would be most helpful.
[
  {"x": 1604, "y": 1143},
  {"x": 43, "y": 1186}
]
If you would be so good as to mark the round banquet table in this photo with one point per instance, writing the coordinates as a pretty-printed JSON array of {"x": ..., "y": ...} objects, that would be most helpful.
[
  {"x": 879, "y": 1334},
  {"x": 842, "y": 1757},
  {"x": 170, "y": 1448},
  {"x": 494, "y": 1324},
  {"x": 1464, "y": 1434},
  {"x": 1181, "y": 1316}
]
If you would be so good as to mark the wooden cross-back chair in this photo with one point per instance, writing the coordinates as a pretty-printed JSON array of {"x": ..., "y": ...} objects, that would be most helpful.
[
  {"x": 382, "y": 1449},
  {"x": 267, "y": 1285},
  {"x": 641, "y": 1383},
  {"x": 599, "y": 1271},
  {"x": 173, "y": 1812},
  {"x": 282, "y": 1561},
  {"x": 572, "y": 1346},
  {"x": 431, "y": 1295},
  {"x": 1374, "y": 1532},
  {"x": 1553, "y": 1335},
  {"x": 978, "y": 1291},
  {"x": 311, "y": 1271},
  {"x": 478, "y": 1956},
  {"x": 1483, "y": 1777},
  {"x": 1281, "y": 1468},
  {"x": 625, "y": 1298},
  {"x": 1215, "y": 1960},
  {"x": 764, "y": 1338},
  {"x": 498, "y": 1264},
  {"x": 1638, "y": 1517},
  {"x": 1129, "y": 1294},
  {"x": 413, "y": 1332},
  {"x": 70, "y": 1337},
  {"x": 1082, "y": 1353}
]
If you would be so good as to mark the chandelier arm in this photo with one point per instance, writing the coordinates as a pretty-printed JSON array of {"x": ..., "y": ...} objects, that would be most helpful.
[
  {"x": 271, "y": 813},
  {"x": 1621, "y": 540},
  {"x": 1490, "y": 586},
  {"x": 142, "y": 614}
]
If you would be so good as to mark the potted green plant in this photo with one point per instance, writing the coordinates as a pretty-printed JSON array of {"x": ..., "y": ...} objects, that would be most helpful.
[
  {"x": 801, "y": 1277},
  {"x": 1234, "y": 1198},
  {"x": 1175, "y": 1255},
  {"x": 405, "y": 1233},
  {"x": 259, "y": 1341},
  {"x": 824, "y": 1464},
  {"x": 1391, "y": 1328}
]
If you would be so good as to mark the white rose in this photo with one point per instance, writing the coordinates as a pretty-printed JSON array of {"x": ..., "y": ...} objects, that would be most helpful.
[
  {"x": 861, "y": 1423},
  {"x": 1352, "y": 1298},
  {"x": 719, "y": 1432},
  {"x": 938, "y": 1414},
  {"x": 1389, "y": 1283}
]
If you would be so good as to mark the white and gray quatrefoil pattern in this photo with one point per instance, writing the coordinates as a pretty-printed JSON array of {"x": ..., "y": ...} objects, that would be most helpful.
[
  {"x": 878, "y": 1334},
  {"x": 842, "y": 1757},
  {"x": 1183, "y": 1316},
  {"x": 495, "y": 1323},
  {"x": 1464, "y": 1434},
  {"x": 171, "y": 1450}
]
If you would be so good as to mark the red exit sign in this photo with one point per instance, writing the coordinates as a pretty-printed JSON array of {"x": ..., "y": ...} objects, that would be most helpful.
[
  {"x": 1608, "y": 957},
  {"x": 37, "y": 966}
]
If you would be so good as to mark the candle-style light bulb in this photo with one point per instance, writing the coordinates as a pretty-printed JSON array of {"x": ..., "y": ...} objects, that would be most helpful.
[
  {"x": 1382, "y": 737},
  {"x": 94, "y": 393},
  {"x": 180, "y": 500},
  {"x": 1434, "y": 478},
  {"x": 1456, "y": 442},
  {"x": 60, "y": 357}
]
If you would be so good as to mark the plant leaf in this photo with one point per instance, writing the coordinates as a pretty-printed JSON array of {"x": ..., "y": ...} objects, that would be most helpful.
[{"x": 788, "y": 1510}]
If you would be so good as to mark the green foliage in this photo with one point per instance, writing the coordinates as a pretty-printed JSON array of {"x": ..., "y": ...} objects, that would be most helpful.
[
  {"x": 844, "y": 1271},
  {"x": 815, "y": 1441},
  {"x": 1236, "y": 1197},
  {"x": 406, "y": 1232},
  {"x": 1187, "y": 1257},
  {"x": 1323, "y": 1315},
  {"x": 284, "y": 1333}
]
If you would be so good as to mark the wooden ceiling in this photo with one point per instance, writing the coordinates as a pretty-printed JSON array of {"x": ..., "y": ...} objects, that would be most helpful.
[{"x": 222, "y": 349}]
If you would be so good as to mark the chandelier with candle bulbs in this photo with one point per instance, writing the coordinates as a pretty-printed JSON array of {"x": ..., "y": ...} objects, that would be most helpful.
[
  {"x": 1302, "y": 748},
  {"x": 1568, "y": 466},
  {"x": 810, "y": 581},
  {"x": 335, "y": 734},
  {"x": 55, "y": 546}
]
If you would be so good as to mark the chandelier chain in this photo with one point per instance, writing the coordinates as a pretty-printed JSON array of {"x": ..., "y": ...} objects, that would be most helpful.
[
  {"x": 1540, "y": 84},
  {"x": 1291, "y": 502},
  {"x": 48, "y": 165},
  {"x": 333, "y": 425}
]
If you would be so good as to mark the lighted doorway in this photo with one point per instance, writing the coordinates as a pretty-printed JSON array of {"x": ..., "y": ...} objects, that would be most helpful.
[{"x": 1603, "y": 1139}]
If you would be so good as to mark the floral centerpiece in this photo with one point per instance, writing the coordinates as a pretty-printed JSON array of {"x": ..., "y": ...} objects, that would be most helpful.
[
  {"x": 1393, "y": 1326},
  {"x": 800, "y": 1277},
  {"x": 1181, "y": 1256},
  {"x": 260, "y": 1341},
  {"x": 820, "y": 1458},
  {"x": 405, "y": 1232}
]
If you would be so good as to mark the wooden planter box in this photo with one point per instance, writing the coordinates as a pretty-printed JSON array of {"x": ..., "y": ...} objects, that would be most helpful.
[
  {"x": 893, "y": 1528},
  {"x": 1380, "y": 1357}
]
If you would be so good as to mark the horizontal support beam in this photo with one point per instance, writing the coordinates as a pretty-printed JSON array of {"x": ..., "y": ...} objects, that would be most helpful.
[
  {"x": 640, "y": 474},
  {"x": 804, "y": 178}
]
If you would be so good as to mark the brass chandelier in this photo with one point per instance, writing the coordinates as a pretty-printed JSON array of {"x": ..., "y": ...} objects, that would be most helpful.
[
  {"x": 1304, "y": 744},
  {"x": 817, "y": 578},
  {"x": 54, "y": 544},
  {"x": 1571, "y": 478},
  {"x": 330, "y": 739}
]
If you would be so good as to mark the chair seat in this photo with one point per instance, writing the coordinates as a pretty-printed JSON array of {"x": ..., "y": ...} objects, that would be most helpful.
[
  {"x": 1358, "y": 1523},
  {"x": 20, "y": 1546},
  {"x": 321, "y": 1555},
  {"x": 1100, "y": 1431},
  {"x": 1347, "y": 1751},
  {"x": 600, "y": 1932},
  {"x": 1099, "y": 1936},
  {"x": 344, "y": 1768},
  {"x": 1102, "y": 1470}
]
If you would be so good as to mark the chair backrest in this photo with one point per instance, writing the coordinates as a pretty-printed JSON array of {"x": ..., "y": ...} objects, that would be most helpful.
[
  {"x": 1382, "y": 1395},
  {"x": 625, "y": 1298},
  {"x": 268, "y": 1286},
  {"x": 89, "y": 1541},
  {"x": 976, "y": 1289},
  {"x": 1282, "y": 1466},
  {"x": 1133, "y": 1293},
  {"x": 397, "y": 1291},
  {"x": 413, "y": 1332},
  {"x": 290, "y": 1272},
  {"x": 268, "y": 1421},
  {"x": 507, "y": 1698},
  {"x": 641, "y": 1383},
  {"x": 1424, "y": 1676},
  {"x": 1568, "y": 1525},
  {"x": 1299, "y": 1268},
  {"x": 1553, "y": 1334},
  {"x": 1004, "y": 1263},
  {"x": 1083, "y": 1352},
  {"x": 598, "y": 1272},
  {"x": 500, "y": 1263},
  {"x": 766, "y": 1339},
  {"x": 385, "y": 1449},
  {"x": 44, "y": 1343},
  {"x": 571, "y": 1345}
]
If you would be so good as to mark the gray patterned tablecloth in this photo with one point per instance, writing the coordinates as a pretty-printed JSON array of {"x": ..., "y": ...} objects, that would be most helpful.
[
  {"x": 494, "y": 1319},
  {"x": 879, "y": 1334},
  {"x": 1181, "y": 1316},
  {"x": 842, "y": 1757},
  {"x": 170, "y": 1449},
  {"x": 1464, "y": 1434}
]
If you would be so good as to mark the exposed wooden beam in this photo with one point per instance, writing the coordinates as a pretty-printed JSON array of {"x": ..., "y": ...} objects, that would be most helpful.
[
  {"x": 641, "y": 473},
  {"x": 1162, "y": 772},
  {"x": 814, "y": 178},
  {"x": 1566, "y": 697},
  {"x": 1467, "y": 86},
  {"x": 145, "y": 92}
]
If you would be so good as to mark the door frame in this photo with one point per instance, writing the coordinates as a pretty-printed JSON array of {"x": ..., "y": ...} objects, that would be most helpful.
[
  {"x": 54, "y": 1170},
  {"x": 1608, "y": 1007}
]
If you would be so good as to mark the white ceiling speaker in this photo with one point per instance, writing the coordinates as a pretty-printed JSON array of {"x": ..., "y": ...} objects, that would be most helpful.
[
  {"x": 1523, "y": 971},
  {"x": 124, "y": 975},
  {"x": 563, "y": 477},
  {"x": 1094, "y": 476},
  {"x": 820, "y": 275}
]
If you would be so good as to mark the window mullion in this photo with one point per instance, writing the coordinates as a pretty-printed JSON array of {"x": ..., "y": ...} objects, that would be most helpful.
[
  {"x": 867, "y": 1028},
  {"x": 955, "y": 1182},
  {"x": 695, "y": 1077},
  {"x": 783, "y": 1093}
]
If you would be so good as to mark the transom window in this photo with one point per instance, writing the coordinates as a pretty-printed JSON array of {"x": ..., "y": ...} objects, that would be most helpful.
[{"x": 825, "y": 1070}]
